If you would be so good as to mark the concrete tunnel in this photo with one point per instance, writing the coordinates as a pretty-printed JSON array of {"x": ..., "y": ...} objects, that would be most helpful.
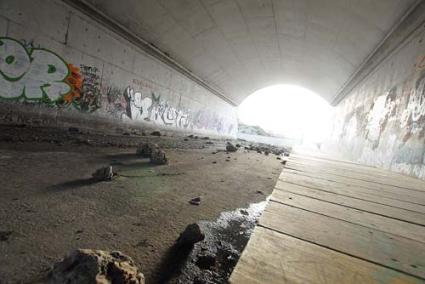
[{"x": 145, "y": 95}]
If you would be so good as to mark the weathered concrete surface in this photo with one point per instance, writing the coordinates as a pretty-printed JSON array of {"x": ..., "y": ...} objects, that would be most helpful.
[
  {"x": 241, "y": 46},
  {"x": 59, "y": 67},
  {"x": 50, "y": 205},
  {"x": 382, "y": 121}
]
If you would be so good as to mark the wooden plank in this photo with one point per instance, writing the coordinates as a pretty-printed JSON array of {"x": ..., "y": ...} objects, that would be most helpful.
[
  {"x": 275, "y": 258},
  {"x": 354, "y": 202},
  {"x": 349, "y": 167},
  {"x": 390, "y": 198},
  {"x": 355, "y": 216},
  {"x": 394, "y": 182},
  {"x": 413, "y": 196},
  {"x": 375, "y": 246}
]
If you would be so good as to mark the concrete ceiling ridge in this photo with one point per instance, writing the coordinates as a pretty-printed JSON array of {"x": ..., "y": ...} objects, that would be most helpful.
[
  {"x": 236, "y": 47},
  {"x": 397, "y": 35},
  {"x": 148, "y": 47}
]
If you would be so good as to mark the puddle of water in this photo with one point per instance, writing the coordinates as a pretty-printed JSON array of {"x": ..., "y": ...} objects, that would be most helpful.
[{"x": 213, "y": 259}]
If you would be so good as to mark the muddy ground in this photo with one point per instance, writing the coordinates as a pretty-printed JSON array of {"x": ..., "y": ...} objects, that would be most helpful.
[{"x": 49, "y": 205}]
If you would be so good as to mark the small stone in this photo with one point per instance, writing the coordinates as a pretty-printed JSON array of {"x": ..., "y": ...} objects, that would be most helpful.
[
  {"x": 158, "y": 157},
  {"x": 278, "y": 158},
  {"x": 103, "y": 174},
  {"x": 206, "y": 261},
  {"x": 156, "y": 133},
  {"x": 283, "y": 162},
  {"x": 5, "y": 235},
  {"x": 185, "y": 139},
  {"x": 195, "y": 201},
  {"x": 73, "y": 130},
  {"x": 230, "y": 147},
  {"x": 266, "y": 152},
  {"x": 190, "y": 236}
]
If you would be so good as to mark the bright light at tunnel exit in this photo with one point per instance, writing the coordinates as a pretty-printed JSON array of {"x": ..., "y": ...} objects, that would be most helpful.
[{"x": 289, "y": 111}]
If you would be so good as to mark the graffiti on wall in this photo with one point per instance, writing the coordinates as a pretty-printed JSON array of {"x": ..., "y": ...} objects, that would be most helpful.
[
  {"x": 29, "y": 73},
  {"x": 145, "y": 105},
  {"x": 35, "y": 74}
]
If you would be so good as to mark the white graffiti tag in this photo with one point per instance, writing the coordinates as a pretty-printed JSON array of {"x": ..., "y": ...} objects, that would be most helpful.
[{"x": 31, "y": 74}]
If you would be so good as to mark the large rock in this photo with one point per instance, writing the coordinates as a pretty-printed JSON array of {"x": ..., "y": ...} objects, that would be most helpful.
[
  {"x": 190, "y": 236},
  {"x": 158, "y": 157},
  {"x": 146, "y": 149},
  {"x": 85, "y": 266}
]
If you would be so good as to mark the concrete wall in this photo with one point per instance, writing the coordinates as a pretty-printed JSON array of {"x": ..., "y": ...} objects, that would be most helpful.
[
  {"x": 382, "y": 121},
  {"x": 58, "y": 67}
]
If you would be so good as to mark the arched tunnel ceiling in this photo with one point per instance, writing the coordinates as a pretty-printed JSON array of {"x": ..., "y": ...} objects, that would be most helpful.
[{"x": 240, "y": 46}]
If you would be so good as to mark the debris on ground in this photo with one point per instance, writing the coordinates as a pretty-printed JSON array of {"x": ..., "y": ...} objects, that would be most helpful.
[
  {"x": 190, "y": 236},
  {"x": 158, "y": 157},
  {"x": 73, "y": 130},
  {"x": 283, "y": 162},
  {"x": 4, "y": 235},
  {"x": 84, "y": 266},
  {"x": 146, "y": 149},
  {"x": 206, "y": 260},
  {"x": 156, "y": 133},
  {"x": 230, "y": 147},
  {"x": 217, "y": 248},
  {"x": 103, "y": 174},
  {"x": 195, "y": 201}
]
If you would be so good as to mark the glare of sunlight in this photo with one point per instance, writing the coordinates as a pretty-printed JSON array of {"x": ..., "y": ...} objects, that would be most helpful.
[{"x": 289, "y": 111}]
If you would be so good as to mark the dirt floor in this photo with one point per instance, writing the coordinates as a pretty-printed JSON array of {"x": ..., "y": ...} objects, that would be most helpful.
[{"x": 49, "y": 205}]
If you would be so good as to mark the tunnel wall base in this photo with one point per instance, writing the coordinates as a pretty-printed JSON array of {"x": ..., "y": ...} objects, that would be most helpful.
[
  {"x": 58, "y": 68},
  {"x": 382, "y": 121}
]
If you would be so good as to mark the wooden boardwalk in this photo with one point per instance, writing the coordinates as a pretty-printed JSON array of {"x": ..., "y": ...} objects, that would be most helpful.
[{"x": 331, "y": 221}]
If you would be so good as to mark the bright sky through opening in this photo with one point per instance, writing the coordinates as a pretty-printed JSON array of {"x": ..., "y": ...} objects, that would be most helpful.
[{"x": 289, "y": 111}]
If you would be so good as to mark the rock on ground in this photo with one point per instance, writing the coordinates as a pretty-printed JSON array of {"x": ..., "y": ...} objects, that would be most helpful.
[
  {"x": 158, "y": 157},
  {"x": 146, "y": 149},
  {"x": 230, "y": 147},
  {"x": 86, "y": 266},
  {"x": 191, "y": 235},
  {"x": 103, "y": 174}
]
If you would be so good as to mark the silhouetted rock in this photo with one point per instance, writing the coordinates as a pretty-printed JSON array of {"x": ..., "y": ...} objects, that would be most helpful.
[
  {"x": 190, "y": 236},
  {"x": 156, "y": 133},
  {"x": 85, "y": 266}
]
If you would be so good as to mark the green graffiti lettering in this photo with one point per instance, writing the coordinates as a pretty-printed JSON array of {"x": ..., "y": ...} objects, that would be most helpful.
[{"x": 32, "y": 74}]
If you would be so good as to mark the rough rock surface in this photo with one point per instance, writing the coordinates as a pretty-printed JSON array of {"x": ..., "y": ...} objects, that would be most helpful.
[
  {"x": 86, "y": 266},
  {"x": 230, "y": 147},
  {"x": 103, "y": 174},
  {"x": 146, "y": 149},
  {"x": 158, "y": 157}
]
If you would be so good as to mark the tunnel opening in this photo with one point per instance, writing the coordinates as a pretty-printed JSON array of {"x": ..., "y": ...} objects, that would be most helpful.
[{"x": 285, "y": 114}]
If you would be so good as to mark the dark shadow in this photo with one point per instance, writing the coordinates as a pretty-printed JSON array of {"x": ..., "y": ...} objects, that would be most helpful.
[
  {"x": 125, "y": 156},
  {"x": 172, "y": 263},
  {"x": 72, "y": 184}
]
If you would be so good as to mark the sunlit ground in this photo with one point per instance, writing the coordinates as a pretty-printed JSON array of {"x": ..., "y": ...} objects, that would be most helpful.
[{"x": 289, "y": 111}]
